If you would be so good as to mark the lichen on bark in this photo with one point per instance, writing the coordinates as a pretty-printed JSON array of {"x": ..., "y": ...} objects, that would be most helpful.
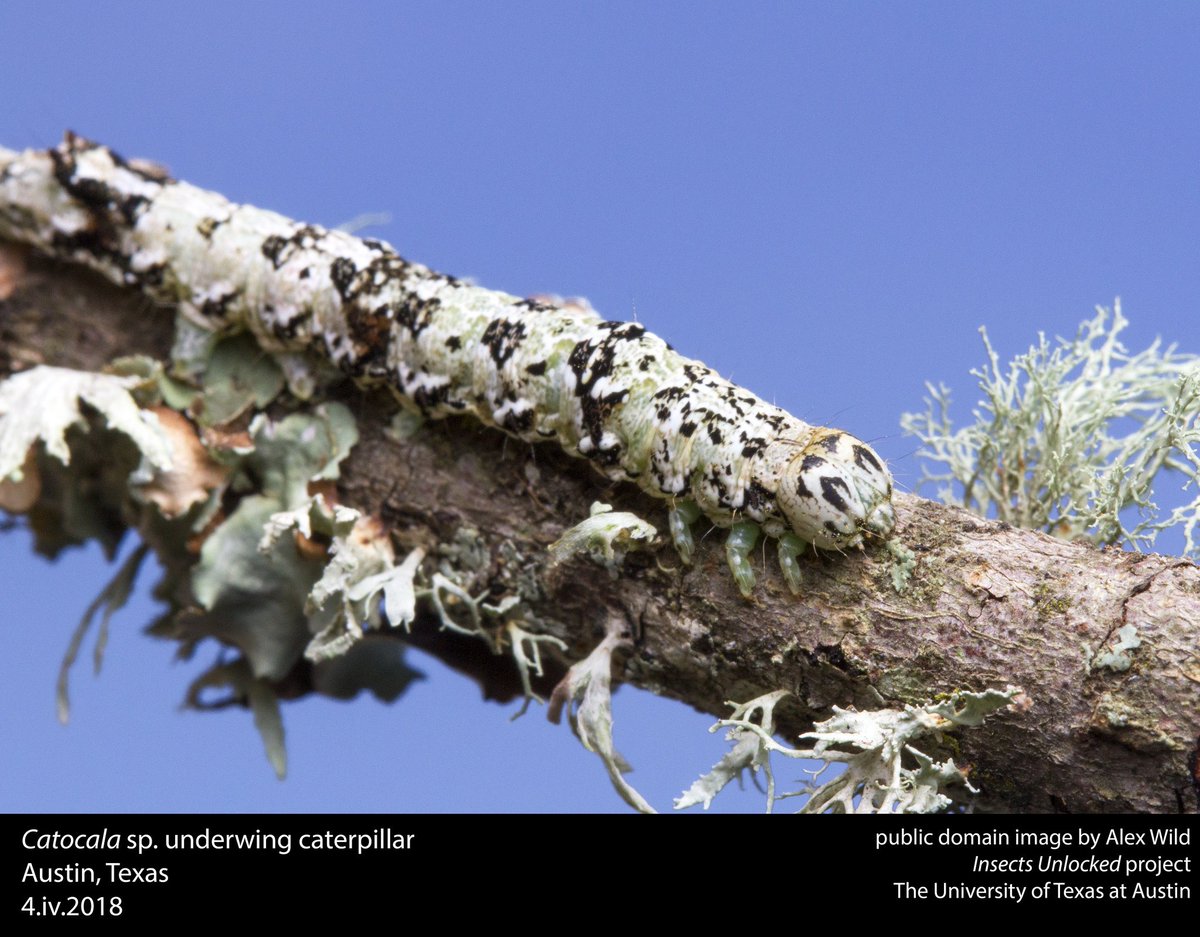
[{"x": 973, "y": 613}]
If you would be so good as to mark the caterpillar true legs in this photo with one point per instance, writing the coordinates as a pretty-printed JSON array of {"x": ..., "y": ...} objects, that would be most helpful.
[{"x": 833, "y": 493}]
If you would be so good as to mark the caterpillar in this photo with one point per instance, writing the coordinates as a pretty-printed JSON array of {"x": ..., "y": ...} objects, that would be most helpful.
[{"x": 609, "y": 392}]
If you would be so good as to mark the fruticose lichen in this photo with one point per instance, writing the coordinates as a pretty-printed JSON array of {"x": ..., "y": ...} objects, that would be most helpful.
[
  {"x": 1072, "y": 438},
  {"x": 884, "y": 772}
]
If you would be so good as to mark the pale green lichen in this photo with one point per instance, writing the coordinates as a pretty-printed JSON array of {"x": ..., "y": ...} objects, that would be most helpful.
[
  {"x": 316, "y": 516},
  {"x": 275, "y": 602},
  {"x": 748, "y": 753},
  {"x": 254, "y": 599},
  {"x": 192, "y": 348},
  {"x": 396, "y": 586},
  {"x": 446, "y": 594},
  {"x": 155, "y": 386},
  {"x": 253, "y": 589},
  {"x": 492, "y": 622},
  {"x": 904, "y": 561},
  {"x": 337, "y": 610},
  {"x": 111, "y": 598},
  {"x": 239, "y": 376},
  {"x": 302, "y": 448},
  {"x": 41, "y": 404},
  {"x": 361, "y": 571},
  {"x": 527, "y": 655},
  {"x": 586, "y": 693},
  {"x": 884, "y": 772},
  {"x": 1072, "y": 438},
  {"x": 237, "y": 371},
  {"x": 606, "y": 537},
  {"x": 1115, "y": 657},
  {"x": 254, "y": 692},
  {"x": 519, "y": 572},
  {"x": 347, "y": 596},
  {"x": 253, "y": 583},
  {"x": 1115, "y": 711},
  {"x": 465, "y": 555}
]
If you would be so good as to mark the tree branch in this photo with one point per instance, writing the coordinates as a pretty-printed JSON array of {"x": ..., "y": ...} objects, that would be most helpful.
[{"x": 986, "y": 605}]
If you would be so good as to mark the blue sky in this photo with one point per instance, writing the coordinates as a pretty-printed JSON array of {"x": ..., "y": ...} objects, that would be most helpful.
[{"x": 822, "y": 201}]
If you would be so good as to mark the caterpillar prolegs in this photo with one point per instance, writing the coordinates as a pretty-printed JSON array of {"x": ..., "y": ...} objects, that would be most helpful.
[{"x": 609, "y": 392}]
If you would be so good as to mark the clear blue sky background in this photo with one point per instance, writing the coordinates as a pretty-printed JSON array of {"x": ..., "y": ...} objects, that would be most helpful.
[{"x": 822, "y": 201}]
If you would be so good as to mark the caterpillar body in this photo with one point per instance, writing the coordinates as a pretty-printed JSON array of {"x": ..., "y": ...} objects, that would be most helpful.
[{"x": 610, "y": 392}]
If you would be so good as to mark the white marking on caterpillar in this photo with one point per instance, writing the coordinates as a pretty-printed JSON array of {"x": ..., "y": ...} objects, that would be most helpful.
[{"x": 609, "y": 392}]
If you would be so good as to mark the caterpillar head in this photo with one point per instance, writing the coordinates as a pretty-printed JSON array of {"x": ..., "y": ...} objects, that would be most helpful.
[{"x": 836, "y": 491}]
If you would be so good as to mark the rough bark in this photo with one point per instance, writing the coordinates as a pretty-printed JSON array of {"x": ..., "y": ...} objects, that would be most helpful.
[{"x": 987, "y": 605}]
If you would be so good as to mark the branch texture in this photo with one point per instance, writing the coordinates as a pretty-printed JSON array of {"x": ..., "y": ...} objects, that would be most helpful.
[{"x": 1104, "y": 724}]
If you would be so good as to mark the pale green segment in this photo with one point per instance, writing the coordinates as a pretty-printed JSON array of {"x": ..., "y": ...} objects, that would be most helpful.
[
  {"x": 791, "y": 546},
  {"x": 681, "y": 517},
  {"x": 738, "y": 547}
]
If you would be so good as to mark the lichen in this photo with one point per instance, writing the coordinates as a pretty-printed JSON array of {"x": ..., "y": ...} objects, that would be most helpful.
[
  {"x": 586, "y": 694},
  {"x": 111, "y": 599},
  {"x": 748, "y": 753},
  {"x": 884, "y": 772},
  {"x": 1115, "y": 658},
  {"x": 527, "y": 654},
  {"x": 1048, "y": 602},
  {"x": 41, "y": 404},
  {"x": 253, "y": 583},
  {"x": 248, "y": 689},
  {"x": 904, "y": 561},
  {"x": 237, "y": 377},
  {"x": 1073, "y": 438},
  {"x": 606, "y": 537}
]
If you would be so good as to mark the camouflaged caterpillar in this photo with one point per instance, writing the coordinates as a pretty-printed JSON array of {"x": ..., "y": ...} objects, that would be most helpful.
[{"x": 609, "y": 392}]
